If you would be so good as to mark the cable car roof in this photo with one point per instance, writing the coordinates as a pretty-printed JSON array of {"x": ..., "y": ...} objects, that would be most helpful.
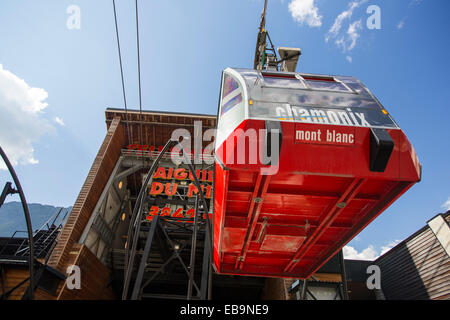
[
  {"x": 266, "y": 88},
  {"x": 299, "y": 88}
]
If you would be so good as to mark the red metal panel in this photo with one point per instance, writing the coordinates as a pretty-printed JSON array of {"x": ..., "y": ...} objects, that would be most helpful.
[
  {"x": 320, "y": 198},
  {"x": 327, "y": 220},
  {"x": 262, "y": 182}
]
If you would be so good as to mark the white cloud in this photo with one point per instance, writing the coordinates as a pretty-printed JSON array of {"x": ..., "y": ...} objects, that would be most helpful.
[
  {"x": 59, "y": 121},
  {"x": 401, "y": 24},
  {"x": 353, "y": 34},
  {"x": 347, "y": 14},
  {"x": 389, "y": 246},
  {"x": 305, "y": 11},
  {"x": 370, "y": 253},
  {"x": 21, "y": 120},
  {"x": 349, "y": 59},
  {"x": 367, "y": 254},
  {"x": 348, "y": 41},
  {"x": 446, "y": 204}
]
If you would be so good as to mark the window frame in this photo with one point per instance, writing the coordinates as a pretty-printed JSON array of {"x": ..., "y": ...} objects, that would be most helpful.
[
  {"x": 326, "y": 78},
  {"x": 230, "y": 96},
  {"x": 292, "y": 76}
]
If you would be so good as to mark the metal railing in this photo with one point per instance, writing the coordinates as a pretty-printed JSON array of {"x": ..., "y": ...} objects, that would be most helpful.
[
  {"x": 41, "y": 237},
  {"x": 152, "y": 155}
]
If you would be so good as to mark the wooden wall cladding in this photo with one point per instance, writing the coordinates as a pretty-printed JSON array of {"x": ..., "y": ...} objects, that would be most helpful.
[
  {"x": 14, "y": 276},
  {"x": 95, "y": 277},
  {"x": 157, "y": 127}
]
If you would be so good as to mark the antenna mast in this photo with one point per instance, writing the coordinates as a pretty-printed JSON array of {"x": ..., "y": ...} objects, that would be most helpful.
[{"x": 266, "y": 55}]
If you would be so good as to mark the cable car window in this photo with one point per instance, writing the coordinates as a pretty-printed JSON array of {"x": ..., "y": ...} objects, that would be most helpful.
[
  {"x": 229, "y": 85},
  {"x": 231, "y": 94},
  {"x": 282, "y": 81},
  {"x": 230, "y": 104},
  {"x": 325, "y": 83}
]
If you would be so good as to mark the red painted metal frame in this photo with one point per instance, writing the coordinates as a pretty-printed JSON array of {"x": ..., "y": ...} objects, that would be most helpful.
[
  {"x": 262, "y": 182},
  {"x": 346, "y": 197},
  {"x": 289, "y": 224},
  {"x": 391, "y": 196}
]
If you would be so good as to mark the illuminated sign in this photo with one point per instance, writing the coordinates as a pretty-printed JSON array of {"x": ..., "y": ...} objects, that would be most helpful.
[
  {"x": 161, "y": 187},
  {"x": 169, "y": 212}
]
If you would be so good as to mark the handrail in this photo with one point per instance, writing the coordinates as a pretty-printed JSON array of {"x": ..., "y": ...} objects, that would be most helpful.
[
  {"x": 168, "y": 155},
  {"x": 53, "y": 230},
  {"x": 48, "y": 220}
]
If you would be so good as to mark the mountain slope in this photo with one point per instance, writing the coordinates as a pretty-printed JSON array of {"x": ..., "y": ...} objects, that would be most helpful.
[{"x": 12, "y": 217}]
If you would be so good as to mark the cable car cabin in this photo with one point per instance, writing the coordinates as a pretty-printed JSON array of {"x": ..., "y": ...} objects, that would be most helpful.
[{"x": 303, "y": 163}]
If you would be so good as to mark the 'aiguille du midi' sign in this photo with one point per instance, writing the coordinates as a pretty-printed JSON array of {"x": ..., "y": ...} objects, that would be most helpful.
[{"x": 182, "y": 176}]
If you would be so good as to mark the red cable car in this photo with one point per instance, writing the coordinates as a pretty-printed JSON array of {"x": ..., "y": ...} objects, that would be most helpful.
[{"x": 302, "y": 164}]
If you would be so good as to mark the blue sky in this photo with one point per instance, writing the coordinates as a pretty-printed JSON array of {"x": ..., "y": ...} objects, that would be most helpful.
[{"x": 55, "y": 82}]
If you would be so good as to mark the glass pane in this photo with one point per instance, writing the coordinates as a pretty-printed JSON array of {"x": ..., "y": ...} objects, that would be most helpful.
[
  {"x": 348, "y": 116},
  {"x": 229, "y": 85},
  {"x": 358, "y": 117},
  {"x": 230, "y": 104},
  {"x": 282, "y": 82},
  {"x": 326, "y": 85},
  {"x": 270, "y": 110}
]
